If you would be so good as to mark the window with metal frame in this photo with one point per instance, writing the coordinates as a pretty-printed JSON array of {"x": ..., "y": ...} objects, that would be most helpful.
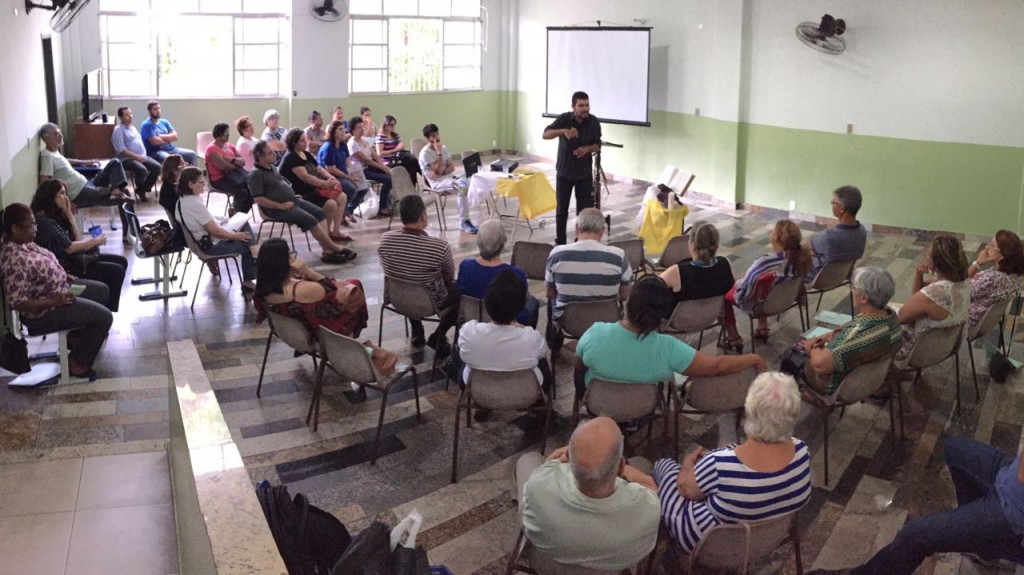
[{"x": 193, "y": 48}]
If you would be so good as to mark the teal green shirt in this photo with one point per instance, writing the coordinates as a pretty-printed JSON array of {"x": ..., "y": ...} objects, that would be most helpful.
[{"x": 614, "y": 353}]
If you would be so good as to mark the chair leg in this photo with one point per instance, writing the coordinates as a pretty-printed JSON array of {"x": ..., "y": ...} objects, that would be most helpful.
[
  {"x": 380, "y": 427},
  {"x": 266, "y": 352},
  {"x": 752, "y": 339},
  {"x": 825, "y": 424},
  {"x": 899, "y": 403},
  {"x": 314, "y": 404},
  {"x": 974, "y": 372},
  {"x": 198, "y": 279},
  {"x": 956, "y": 362},
  {"x": 455, "y": 441},
  {"x": 291, "y": 238},
  {"x": 380, "y": 326},
  {"x": 547, "y": 425},
  {"x": 309, "y": 246},
  {"x": 795, "y": 536}
]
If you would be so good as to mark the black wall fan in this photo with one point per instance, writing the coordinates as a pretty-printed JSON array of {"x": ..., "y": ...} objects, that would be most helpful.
[
  {"x": 64, "y": 11},
  {"x": 328, "y": 10},
  {"x": 824, "y": 37}
]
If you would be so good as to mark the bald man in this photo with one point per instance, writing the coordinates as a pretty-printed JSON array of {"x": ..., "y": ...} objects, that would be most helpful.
[{"x": 580, "y": 506}]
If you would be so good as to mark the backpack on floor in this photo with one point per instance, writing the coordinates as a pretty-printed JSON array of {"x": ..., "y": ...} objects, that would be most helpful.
[{"x": 309, "y": 539}]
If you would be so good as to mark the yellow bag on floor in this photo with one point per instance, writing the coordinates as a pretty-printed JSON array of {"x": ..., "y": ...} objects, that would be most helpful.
[{"x": 659, "y": 225}]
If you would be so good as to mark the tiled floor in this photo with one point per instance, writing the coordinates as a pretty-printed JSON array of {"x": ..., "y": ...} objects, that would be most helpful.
[
  {"x": 100, "y": 515},
  {"x": 877, "y": 482}
]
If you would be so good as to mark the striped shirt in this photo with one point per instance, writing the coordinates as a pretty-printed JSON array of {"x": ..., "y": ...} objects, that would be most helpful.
[
  {"x": 412, "y": 255},
  {"x": 735, "y": 493},
  {"x": 749, "y": 288},
  {"x": 586, "y": 271}
]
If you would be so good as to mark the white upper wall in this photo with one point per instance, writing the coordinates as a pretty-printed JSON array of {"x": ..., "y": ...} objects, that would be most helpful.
[{"x": 938, "y": 70}]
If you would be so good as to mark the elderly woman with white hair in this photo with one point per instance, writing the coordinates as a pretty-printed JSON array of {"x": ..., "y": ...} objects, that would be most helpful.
[
  {"x": 765, "y": 477},
  {"x": 475, "y": 274},
  {"x": 874, "y": 332},
  {"x": 274, "y": 133}
]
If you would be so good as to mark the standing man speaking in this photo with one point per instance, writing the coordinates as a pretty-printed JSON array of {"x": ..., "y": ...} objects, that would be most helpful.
[{"x": 579, "y": 135}]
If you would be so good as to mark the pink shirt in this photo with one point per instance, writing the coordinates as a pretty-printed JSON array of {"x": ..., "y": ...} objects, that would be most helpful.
[
  {"x": 228, "y": 152},
  {"x": 31, "y": 272}
]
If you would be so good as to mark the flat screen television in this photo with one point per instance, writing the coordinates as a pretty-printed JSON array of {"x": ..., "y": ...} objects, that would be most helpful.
[{"x": 92, "y": 95}]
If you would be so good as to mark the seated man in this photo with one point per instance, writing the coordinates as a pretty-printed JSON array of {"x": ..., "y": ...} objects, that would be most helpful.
[
  {"x": 410, "y": 254},
  {"x": 874, "y": 332},
  {"x": 274, "y": 194},
  {"x": 846, "y": 240},
  {"x": 583, "y": 507},
  {"x": 159, "y": 136},
  {"x": 502, "y": 344},
  {"x": 586, "y": 270},
  {"x": 108, "y": 188},
  {"x": 987, "y": 523},
  {"x": 132, "y": 152},
  {"x": 439, "y": 169}
]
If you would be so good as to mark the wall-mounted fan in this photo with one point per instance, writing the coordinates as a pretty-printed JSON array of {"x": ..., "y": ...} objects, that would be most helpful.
[
  {"x": 64, "y": 11},
  {"x": 328, "y": 10},
  {"x": 824, "y": 37}
]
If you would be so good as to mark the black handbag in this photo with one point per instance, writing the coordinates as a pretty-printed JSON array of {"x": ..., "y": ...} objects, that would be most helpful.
[
  {"x": 793, "y": 362},
  {"x": 14, "y": 354}
]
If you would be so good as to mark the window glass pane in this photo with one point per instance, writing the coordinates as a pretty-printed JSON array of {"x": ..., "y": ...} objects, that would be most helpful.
[
  {"x": 196, "y": 57},
  {"x": 126, "y": 29},
  {"x": 175, "y": 6},
  {"x": 369, "y": 57},
  {"x": 256, "y": 57},
  {"x": 131, "y": 83},
  {"x": 368, "y": 31},
  {"x": 435, "y": 8},
  {"x": 220, "y": 6},
  {"x": 401, "y": 7},
  {"x": 370, "y": 7},
  {"x": 460, "y": 32},
  {"x": 257, "y": 30},
  {"x": 469, "y": 8},
  {"x": 265, "y": 6},
  {"x": 461, "y": 55},
  {"x": 250, "y": 83},
  {"x": 461, "y": 78},
  {"x": 415, "y": 55},
  {"x": 129, "y": 57},
  {"x": 368, "y": 81},
  {"x": 122, "y": 5}
]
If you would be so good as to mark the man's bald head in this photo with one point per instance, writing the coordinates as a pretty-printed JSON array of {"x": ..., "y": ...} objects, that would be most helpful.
[{"x": 595, "y": 454}]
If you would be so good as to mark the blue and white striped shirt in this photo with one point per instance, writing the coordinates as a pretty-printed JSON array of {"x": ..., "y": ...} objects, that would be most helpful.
[
  {"x": 586, "y": 271},
  {"x": 735, "y": 493}
]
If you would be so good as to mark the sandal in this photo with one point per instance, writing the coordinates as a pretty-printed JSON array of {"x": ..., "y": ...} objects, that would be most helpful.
[
  {"x": 731, "y": 346},
  {"x": 762, "y": 333},
  {"x": 340, "y": 237}
]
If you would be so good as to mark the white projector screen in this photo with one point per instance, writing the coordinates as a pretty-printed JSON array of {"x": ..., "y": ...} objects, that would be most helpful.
[{"x": 611, "y": 65}]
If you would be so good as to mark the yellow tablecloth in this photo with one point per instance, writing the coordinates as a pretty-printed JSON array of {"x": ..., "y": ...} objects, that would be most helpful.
[
  {"x": 534, "y": 192},
  {"x": 659, "y": 225}
]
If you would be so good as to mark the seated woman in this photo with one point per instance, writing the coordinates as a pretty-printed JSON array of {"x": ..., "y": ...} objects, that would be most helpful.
[
  {"x": 274, "y": 134},
  {"x": 704, "y": 275},
  {"x": 169, "y": 173},
  {"x": 874, "y": 332},
  {"x": 765, "y": 477},
  {"x": 939, "y": 303},
  {"x": 246, "y": 141},
  {"x": 226, "y": 168},
  {"x": 196, "y": 220},
  {"x": 289, "y": 287},
  {"x": 315, "y": 135},
  {"x": 37, "y": 288},
  {"x": 56, "y": 231},
  {"x": 788, "y": 259},
  {"x": 475, "y": 274},
  {"x": 632, "y": 351},
  {"x": 363, "y": 155},
  {"x": 503, "y": 344},
  {"x": 391, "y": 149},
  {"x": 333, "y": 157},
  {"x": 1006, "y": 254},
  {"x": 313, "y": 183}
]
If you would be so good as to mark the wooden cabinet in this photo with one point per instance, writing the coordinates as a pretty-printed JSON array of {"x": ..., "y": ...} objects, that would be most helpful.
[{"x": 92, "y": 140}]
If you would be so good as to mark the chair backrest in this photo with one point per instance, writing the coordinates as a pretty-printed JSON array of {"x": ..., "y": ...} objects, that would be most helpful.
[
  {"x": 401, "y": 185},
  {"x": 735, "y": 545},
  {"x": 134, "y": 230},
  {"x": 416, "y": 145},
  {"x": 620, "y": 401},
  {"x": 543, "y": 564},
  {"x": 935, "y": 345},
  {"x": 721, "y": 392},
  {"x": 782, "y": 296},
  {"x": 677, "y": 250},
  {"x": 833, "y": 275},
  {"x": 864, "y": 380},
  {"x": 694, "y": 315},
  {"x": 347, "y": 357},
  {"x": 503, "y": 390},
  {"x": 634, "y": 249},
  {"x": 532, "y": 258},
  {"x": 472, "y": 308},
  {"x": 203, "y": 141},
  {"x": 578, "y": 316},
  {"x": 409, "y": 298},
  {"x": 991, "y": 318},
  {"x": 292, "y": 332}
]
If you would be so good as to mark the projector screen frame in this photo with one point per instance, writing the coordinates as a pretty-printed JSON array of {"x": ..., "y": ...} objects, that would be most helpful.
[{"x": 548, "y": 29}]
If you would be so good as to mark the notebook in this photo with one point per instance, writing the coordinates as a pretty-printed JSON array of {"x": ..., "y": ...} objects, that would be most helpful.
[{"x": 236, "y": 221}]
